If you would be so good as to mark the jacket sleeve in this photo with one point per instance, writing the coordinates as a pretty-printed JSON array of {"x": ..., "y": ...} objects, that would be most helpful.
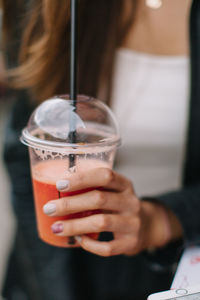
[{"x": 186, "y": 206}]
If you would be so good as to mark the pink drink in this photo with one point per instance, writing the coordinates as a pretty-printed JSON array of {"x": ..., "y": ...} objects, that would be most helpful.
[{"x": 45, "y": 175}]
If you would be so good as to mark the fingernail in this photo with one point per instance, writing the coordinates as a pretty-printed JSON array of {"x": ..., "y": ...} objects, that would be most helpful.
[
  {"x": 57, "y": 228},
  {"x": 49, "y": 208},
  {"x": 62, "y": 184},
  {"x": 78, "y": 238}
]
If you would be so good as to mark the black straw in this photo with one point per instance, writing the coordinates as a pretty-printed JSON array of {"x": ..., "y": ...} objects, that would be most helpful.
[
  {"x": 73, "y": 52},
  {"x": 73, "y": 86},
  {"x": 73, "y": 75}
]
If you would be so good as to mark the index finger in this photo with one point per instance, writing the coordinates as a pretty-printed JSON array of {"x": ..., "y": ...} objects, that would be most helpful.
[{"x": 94, "y": 178}]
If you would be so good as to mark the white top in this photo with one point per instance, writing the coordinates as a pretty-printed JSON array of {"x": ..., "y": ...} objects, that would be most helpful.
[{"x": 150, "y": 100}]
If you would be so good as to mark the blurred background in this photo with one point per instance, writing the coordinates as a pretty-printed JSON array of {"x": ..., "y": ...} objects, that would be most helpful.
[
  {"x": 6, "y": 217},
  {"x": 7, "y": 222}
]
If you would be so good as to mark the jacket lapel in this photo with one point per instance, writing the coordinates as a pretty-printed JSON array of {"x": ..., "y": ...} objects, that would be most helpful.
[{"x": 192, "y": 166}]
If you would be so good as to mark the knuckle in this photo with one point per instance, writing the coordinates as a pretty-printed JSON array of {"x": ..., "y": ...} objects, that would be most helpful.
[
  {"x": 129, "y": 191},
  {"x": 134, "y": 243},
  {"x": 136, "y": 205},
  {"x": 101, "y": 222},
  {"x": 100, "y": 199},
  {"x": 130, "y": 184},
  {"x": 137, "y": 224},
  {"x": 108, "y": 250},
  {"x": 108, "y": 176},
  {"x": 130, "y": 187},
  {"x": 104, "y": 222},
  {"x": 85, "y": 244}
]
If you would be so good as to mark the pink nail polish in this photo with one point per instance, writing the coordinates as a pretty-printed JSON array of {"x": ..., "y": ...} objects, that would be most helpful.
[{"x": 57, "y": 228}]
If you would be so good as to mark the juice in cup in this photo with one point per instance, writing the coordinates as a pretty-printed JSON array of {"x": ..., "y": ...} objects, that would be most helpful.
[
  {"x": 47, "y": 136},
  {"x": 44, "y": 177}
]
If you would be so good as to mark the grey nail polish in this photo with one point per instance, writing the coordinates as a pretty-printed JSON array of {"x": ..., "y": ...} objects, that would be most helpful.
[
  {"x": 62, "y": 184},
  {"x": 49, "y": 208}
]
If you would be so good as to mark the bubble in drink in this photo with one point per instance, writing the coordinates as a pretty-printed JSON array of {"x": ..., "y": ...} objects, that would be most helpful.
[{"x": 72, "y": 169}]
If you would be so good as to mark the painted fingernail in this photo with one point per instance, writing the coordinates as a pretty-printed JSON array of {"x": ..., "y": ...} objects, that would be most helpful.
[
  {"x": 62, "y": 184},
  {"x": 49, "y": 208},
  {"x": 78, "y": 238},
  {"x": 57, "y": 228}
]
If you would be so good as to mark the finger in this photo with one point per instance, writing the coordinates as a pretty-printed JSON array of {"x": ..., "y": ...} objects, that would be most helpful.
[
  {"x": 96, "y": 223},
  {"x": 99, "y": 177},
  {"x": 106, "y": 249},
  {"x": 93, "y": 200}
]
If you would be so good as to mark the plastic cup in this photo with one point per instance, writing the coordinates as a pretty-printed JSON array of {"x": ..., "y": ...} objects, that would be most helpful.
[{"x": 50, "y": 149}]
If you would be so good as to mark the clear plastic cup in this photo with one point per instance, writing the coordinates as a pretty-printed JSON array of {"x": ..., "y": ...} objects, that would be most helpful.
[{"x": 54, "y": 157}]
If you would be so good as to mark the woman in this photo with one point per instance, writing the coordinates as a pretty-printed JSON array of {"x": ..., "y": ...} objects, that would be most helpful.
[{"x": 126, "y": 50}]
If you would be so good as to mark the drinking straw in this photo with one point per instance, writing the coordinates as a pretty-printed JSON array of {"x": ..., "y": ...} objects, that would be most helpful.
[
  {"x": 73, "y": 52},
  {"x": 73, "y": 76},
  {"x": 73, "y": 85}
]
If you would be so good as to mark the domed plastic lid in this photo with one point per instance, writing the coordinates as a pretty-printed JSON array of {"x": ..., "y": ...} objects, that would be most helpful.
[{"x": 58, "y": 125}]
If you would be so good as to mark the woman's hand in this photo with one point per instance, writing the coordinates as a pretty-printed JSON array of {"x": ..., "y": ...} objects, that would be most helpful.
[{"x": 135, "y": 224}]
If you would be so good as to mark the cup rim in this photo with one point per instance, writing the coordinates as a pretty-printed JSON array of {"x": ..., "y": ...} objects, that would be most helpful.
[{"x": 33, "y": 142}]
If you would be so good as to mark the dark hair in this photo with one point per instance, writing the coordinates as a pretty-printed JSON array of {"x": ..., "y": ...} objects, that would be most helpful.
[{"x": 44, "y": 50}]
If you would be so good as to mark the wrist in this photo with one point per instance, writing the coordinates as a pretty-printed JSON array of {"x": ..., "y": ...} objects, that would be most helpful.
[
  {"x": 162, "y": 226},
  {"x": 155, "y": 226}
]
